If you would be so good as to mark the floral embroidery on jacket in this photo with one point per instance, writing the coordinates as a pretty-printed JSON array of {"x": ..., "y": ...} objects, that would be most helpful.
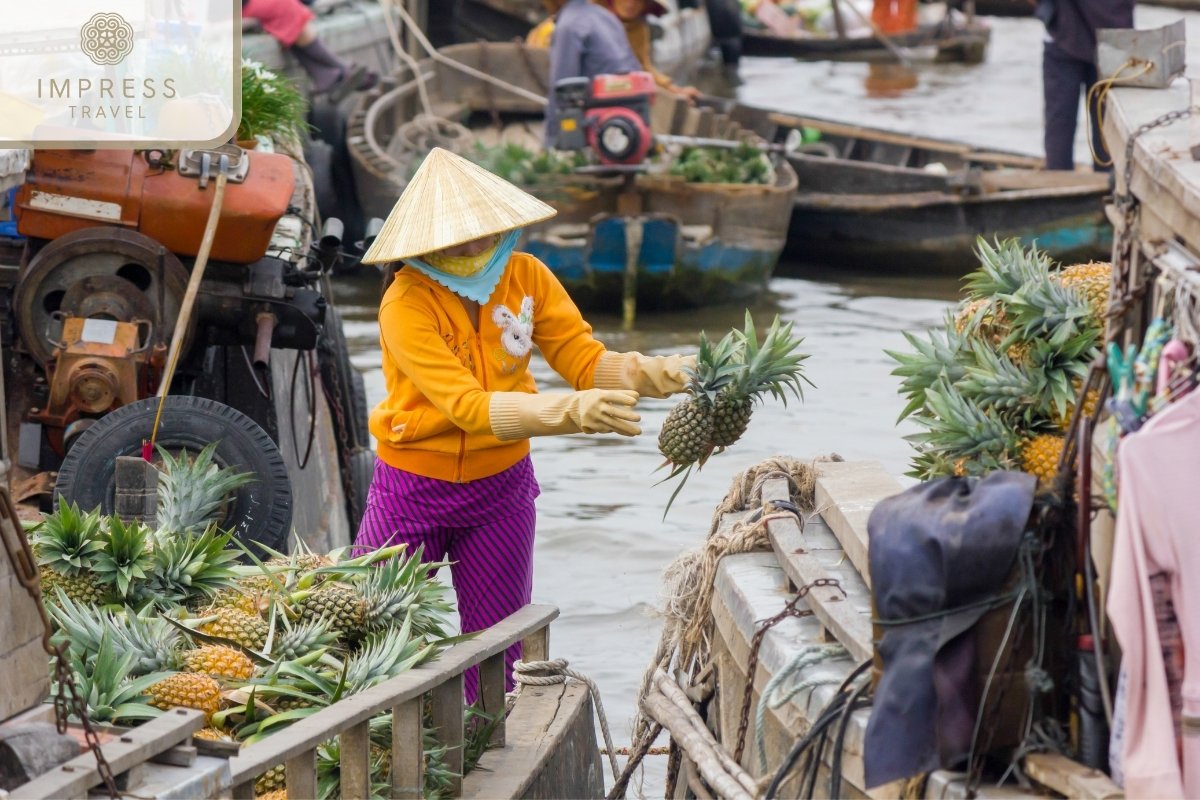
[{"x": 517, "y": 330}]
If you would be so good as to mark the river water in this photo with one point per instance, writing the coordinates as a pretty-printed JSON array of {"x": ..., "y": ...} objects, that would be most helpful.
[{"x": 602, "y": 541}]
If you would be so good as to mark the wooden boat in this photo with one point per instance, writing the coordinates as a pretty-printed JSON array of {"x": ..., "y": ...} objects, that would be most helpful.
[
  {"x": 829, "y": 545},
  {"x": 1004, "y": 8},
  {"x": 871, "y": 197},
  {"x": 700, "y": 243},
  {"x": 965, "y": 43}
]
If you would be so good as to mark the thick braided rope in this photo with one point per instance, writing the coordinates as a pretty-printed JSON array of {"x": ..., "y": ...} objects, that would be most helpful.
[
  {"x": 775, "y": 695},
  {"x": 550, "y": 673}
]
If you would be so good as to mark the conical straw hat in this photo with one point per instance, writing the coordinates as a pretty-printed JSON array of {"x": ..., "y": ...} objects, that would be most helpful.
[{"x": 450, "y": 201}]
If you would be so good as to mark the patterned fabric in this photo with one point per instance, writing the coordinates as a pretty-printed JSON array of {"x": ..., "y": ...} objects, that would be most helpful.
[
  {"x": 474, "y": 282},
  {"x": 484, "y": 527}
]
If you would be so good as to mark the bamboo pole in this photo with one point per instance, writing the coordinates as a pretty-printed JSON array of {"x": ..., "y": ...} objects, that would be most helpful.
[{"x": 700, "y": 751}]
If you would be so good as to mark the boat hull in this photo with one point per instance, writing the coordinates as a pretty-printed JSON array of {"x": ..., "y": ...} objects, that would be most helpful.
[
  {"x": 940, "y": 236},
  {"x": 967, "y": 45}
]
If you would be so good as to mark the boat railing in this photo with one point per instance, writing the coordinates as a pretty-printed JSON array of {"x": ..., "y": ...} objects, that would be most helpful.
[{"x": 403, "y": 696}]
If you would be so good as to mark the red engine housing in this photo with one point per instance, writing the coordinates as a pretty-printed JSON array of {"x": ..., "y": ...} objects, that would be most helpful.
[{"x": 618, "y": 117}]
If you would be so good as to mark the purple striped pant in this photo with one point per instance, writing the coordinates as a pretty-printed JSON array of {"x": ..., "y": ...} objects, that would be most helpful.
[{"x": 484, "y": 527}]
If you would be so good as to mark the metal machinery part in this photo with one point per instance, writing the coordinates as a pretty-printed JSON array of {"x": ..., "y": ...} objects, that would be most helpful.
[
  {"x": 124, "y": 285},
  {"x": 96, "y": 371}
]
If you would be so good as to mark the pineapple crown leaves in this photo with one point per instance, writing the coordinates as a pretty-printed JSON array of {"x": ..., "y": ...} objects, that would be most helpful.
[
  {"x": 1044, "y": 308},
  {"x": 297, "y": 641},
  {"x": 1005, "y": 268},
  {"x": 187, "y": 566},
  {"x": 152, "y": 643},
  {"x": 1062, "y": 366},
  {"x": 125, "y": 558},
  {"x": 716, "y": 365},
  {"x": 403, "y": 585},
  {"x": 68, "y": 540},
  {"x": 945, "y": 357},
  {"x": 995, "y": 382},
  {"x": 106, "y": 690},
  {"x": 773, "y": 367},
  {"x": 384, "y": 656},
  {"x": 959, "y": 429},
  {"x": 191, "y": 493}
]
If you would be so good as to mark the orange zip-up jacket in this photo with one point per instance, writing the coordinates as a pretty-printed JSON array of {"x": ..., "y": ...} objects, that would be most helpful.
[{"x": 441, "y": 372}]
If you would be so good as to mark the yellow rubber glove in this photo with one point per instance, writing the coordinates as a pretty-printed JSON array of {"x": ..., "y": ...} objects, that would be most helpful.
[
  {"x": 649, "y": 376},
  {"x": 517, "y": 415}
]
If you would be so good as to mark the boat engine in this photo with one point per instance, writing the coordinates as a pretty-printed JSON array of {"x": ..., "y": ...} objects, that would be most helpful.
[{"x": 609, "y": 113}]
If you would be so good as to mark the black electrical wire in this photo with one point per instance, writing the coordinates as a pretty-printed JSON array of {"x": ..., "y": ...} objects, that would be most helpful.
[
  {"x": 817, "y": 732},
  {"x": 855, "y": 702}
]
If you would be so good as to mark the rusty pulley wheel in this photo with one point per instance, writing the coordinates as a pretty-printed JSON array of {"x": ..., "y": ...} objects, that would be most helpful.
[{"x": 107, "y": 272}]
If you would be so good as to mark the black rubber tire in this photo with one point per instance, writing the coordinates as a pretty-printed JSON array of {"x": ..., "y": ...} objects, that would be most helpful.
[
  {"x": 262, "y": 510},
  {"x": 362, "y": 470},
  {"x": 333, "y": 357}
]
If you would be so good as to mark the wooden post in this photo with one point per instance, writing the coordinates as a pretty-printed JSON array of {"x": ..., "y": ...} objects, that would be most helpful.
[
  {"x": 243, "y": 791},
  {"x": 356, "y": 760},
  {"x": 536, "y": 646},
  {"x": 447, "y": 712},
  {"x": 633, "y": 249},
  {"x": 408, "y": 751},
  {"x": 838, "y": 22},
  {"x": 491, "y": 693},
  {"x": 419, "y": 11},
  {"x": 1194, "y": 123},
  {"x": 301, "y": 776}
]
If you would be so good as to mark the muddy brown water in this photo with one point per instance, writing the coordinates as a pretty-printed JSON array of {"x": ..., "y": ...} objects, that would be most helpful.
[{"x": 602, "y": 541}]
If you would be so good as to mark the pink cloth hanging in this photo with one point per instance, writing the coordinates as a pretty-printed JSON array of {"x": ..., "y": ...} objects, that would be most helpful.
[{"x": 1158, "y": 532}]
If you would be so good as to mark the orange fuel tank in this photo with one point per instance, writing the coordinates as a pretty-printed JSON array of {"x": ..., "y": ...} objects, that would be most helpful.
[{"x": 66, "y": 190}]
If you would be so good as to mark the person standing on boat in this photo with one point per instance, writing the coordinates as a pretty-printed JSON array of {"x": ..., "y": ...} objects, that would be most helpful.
[
  {"x": 632, "y": 14},
  {"x": 458, "y": 322},
  {"x": 587, "y": 41},
  {"x": 1069, "y": 68}
]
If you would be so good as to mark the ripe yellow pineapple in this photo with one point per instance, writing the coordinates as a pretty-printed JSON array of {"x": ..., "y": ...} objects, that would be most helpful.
[
  {"x": 189, "y": 690},
  {"x": 1039, "y": 456},
  {"x": 273, "y": 780},
  {"x": 1062, "y": 421},
  {"x": 219, "y": 661},
  {"x": 251, "y": 602},
  {"x": 274, "y": 794},
  {"x": 82, "y": 588},
  {"x": 212, "y": 735},
  {"x": 992, "y": 327},
  {"x": 337, "y": 603},
  {"x": 1092, "y": 280},
  {"x": 248, "y": 630}
]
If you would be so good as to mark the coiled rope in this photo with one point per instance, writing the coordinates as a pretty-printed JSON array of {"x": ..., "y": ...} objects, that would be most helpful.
[
  {"x": 775, "y": 695},
  {"x": 551, "y": 673}
]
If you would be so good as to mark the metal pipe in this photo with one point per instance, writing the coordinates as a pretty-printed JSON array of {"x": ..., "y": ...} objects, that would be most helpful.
[{"x": 262, "y": 340}]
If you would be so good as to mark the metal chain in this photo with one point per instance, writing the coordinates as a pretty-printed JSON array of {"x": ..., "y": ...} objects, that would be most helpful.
[
  {"x": 789, "y": 610},
  {"x": 20, "y": 555}
]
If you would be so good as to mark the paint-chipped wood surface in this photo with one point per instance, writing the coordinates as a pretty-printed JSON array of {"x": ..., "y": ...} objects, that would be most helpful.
[
  {"x": 846, "y": 493},
  {"x": 551, "y": 749}
]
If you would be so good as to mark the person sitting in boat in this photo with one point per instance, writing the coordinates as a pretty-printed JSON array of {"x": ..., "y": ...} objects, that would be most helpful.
[
  {"x": 291, "y": 23},
  {"x": 458, "y": 322},
  {"x": 588, "y": 40},
  {"x": 632, "y": 14}
]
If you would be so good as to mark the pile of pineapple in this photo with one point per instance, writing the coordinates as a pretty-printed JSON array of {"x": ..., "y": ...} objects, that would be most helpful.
[
  {"x": 996, "y": 389},
  {"x": 722, "y": 388},
  {"x": 158, "y": 619}
]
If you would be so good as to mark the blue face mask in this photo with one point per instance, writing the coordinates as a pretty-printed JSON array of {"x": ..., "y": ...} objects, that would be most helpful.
[{"x": 477, "y": 287}]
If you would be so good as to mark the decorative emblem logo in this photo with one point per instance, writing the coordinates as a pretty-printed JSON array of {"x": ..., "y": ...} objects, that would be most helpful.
[{"x": 106, "y": 39}]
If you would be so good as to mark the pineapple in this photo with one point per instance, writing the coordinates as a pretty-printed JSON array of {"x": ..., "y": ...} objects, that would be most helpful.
[
  {"x": 685, "y": 433},
  {"x": 66, "y": 544},
  {"x": 337, "y": 603},
  {"x": 401, "y": 587},
  {"x": 773, "y": 367},
  {"x": 219, "y": 661},
  {"x": 249, "y": 602},
  {"x": 192, "y": 493},
  {"x": 186, "y": 566},
  {"x": 272, "y": 781},
  {"x": 302, "y": 639},
  {"x": 189, "y": 690},
  {"x": 945, "y": 356},
  {"x": 958, "y": 429},
  {"x": 211, "y": 734},
  {"x": 1004, "y": 269},
  {"x": 1039, "y": 456},
  {"x": 154, "y": 643},
  {"x": 103, "y": 684},
  {"x": 274, "y": 794},
  {"x": 1092, "y": 280},
  {"x": 1049, "y": 310},
  {"x": 125, "y": 560},
  {"x": 1062, "y": 420},
  {"x": 248, "y": 630}
]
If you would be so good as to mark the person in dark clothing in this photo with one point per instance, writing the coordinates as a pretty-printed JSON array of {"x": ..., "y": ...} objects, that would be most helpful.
[
  {"x": 588, "y": 40},
  {"x": 1069, "y": 67}
]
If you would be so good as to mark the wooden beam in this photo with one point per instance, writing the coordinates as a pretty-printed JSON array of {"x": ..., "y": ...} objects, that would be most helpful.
[
  {"x": 300, "y": 777},
  {"x": 278, "y": 748},
  {"x": 447, "y": 712},
  {"x": 491, "y": 694},
  {"x": 846, "y": 494},
  {"x": 536, "y": 646},
  {"x": 408, "y": 752},
  {"x": 74, "y": 778},
  {"x": 355, "y": 760},
  {"x": 1071, "y": 778},
  {"x": 828, "y": 603}
]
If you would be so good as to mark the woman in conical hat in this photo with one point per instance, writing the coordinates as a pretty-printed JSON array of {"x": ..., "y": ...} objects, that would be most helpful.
[{"x": 458, "y": 322}]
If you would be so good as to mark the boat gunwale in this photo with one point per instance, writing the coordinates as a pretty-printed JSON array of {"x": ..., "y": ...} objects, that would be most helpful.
[{"x": 830, "y": 201}]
